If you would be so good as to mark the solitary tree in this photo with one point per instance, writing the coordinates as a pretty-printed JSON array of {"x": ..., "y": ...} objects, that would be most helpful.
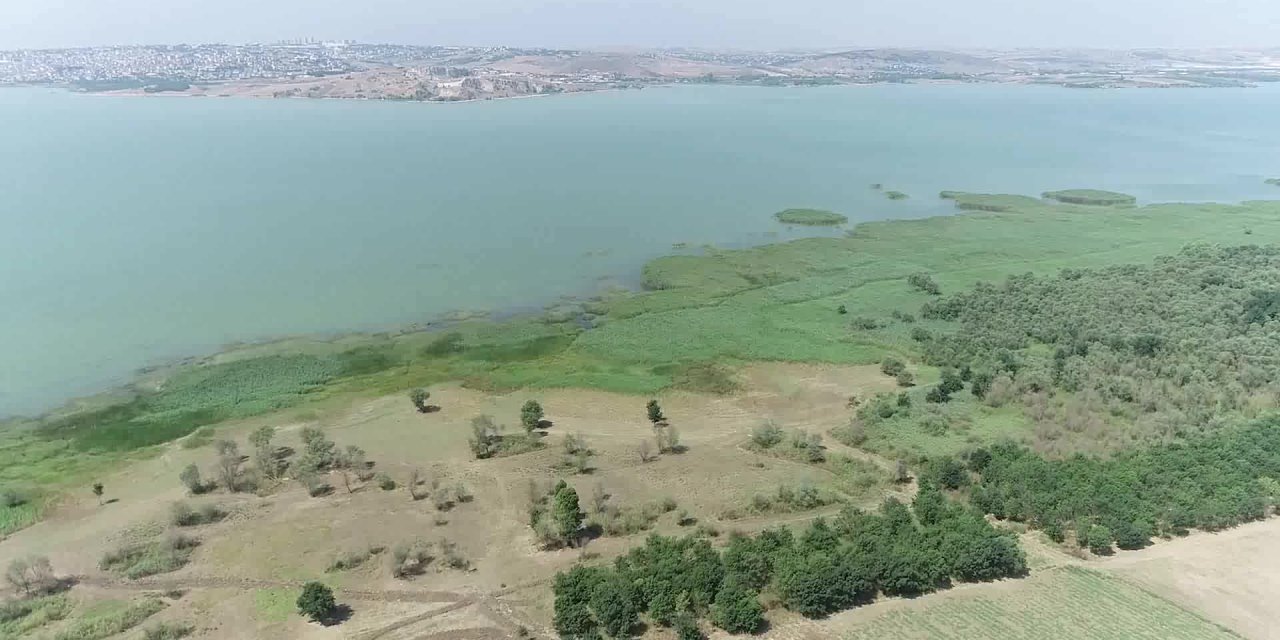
[
  {"x": 531, "y": 415},
  {"x": 316, "y": 602},
  {"x": 97, "y": 491},
  {"x": 264, "y": 455},
  {"x": 190, "y": 478},
  {"x": 419, "y": 398},
  {"x": 229, "y": 462},
  {"x": 655, "y": 412},
  {"x": 32, "y": 574},
  {"x": 566, "y": 513}
]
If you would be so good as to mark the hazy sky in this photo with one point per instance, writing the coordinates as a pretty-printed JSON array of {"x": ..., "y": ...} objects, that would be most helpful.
[{"x": 650, "y": 23}]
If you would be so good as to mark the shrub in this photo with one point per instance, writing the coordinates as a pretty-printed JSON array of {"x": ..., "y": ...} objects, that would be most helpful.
[
  {"x": 409, "y": 559},
  {"x": 146, "y": 559},
  {"x": 182, "y": 514},
  {"x": 924, "y": 282},
  {"x": 419, "y": 399},
  {"x": 766, "y": 435},
  {"x": 190, "y": 478},
  {"x": 349, "y": 560},
  {"x": 168, "y": 631},
  {"x": 317, "y": 602},
  {"x": 385, "y": 482},
  {"x": 892, "y": 367},
  {"x": 110, "y": 624},
  {"x": 905, "y": 379}
]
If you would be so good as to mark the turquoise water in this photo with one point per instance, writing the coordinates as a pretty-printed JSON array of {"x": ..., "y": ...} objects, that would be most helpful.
[{"x": 141, "y": 229}]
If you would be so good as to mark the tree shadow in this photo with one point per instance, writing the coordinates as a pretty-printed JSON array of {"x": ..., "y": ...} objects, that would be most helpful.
[
  {"x": 431, "y": 408},
  {"x": 545, "y": 424},
  {"x": 340, "y": 614},
  {"x": 111, "y": 501}
]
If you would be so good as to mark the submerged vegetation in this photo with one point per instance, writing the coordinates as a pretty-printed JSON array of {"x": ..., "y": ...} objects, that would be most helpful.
[
  {"x": 811, "y": 217},
  {"x": 1091, "y": 197}
]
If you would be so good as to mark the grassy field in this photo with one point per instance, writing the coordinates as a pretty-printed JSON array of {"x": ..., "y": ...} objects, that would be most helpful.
[{"x": 1063, "y": 602}]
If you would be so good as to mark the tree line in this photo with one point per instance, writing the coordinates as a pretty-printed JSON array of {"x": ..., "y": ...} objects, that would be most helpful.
[{"x": 830, "y": 566}]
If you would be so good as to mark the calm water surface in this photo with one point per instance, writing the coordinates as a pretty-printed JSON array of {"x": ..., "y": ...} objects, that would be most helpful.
[{"x": 134, "y": 230}]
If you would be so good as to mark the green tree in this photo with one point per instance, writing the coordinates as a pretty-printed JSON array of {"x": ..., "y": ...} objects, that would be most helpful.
[
  {"x": 654, "y": 412},
  {"x": 573, "y": 590},
  {"x": 316, "y": 602},
  {"x": 566, "y": 513},
  {"x": 531, "y": 415},
  {"x": 1099, "y": 540},
  {"x": 614, "y": 603},
  {"x": 736, "y": 609},
  {"x": 687, "y": 628},
  {"x": 419, "y": 399},
  {"x": 229, "y": 462},
  {"x": 264, "y": 454},
  {"x": 892, "y": 367},
  {"x": 319, "y": 452}
]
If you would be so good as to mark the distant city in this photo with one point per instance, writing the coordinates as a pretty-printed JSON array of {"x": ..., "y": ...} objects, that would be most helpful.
[{"x": 346, "y": 69}]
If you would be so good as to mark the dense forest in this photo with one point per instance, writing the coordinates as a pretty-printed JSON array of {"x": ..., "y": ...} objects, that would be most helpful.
[
  {"x": 1156, "y": 352},
  {"x": 1211, "y": 481},
  {"x": 827, "y": 568}
]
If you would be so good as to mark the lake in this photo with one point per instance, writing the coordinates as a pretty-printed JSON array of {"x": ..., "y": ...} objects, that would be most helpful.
[{"x": 137, "y": 230}]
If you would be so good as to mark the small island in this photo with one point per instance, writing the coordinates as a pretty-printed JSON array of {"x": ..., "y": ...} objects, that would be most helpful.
[
  {"x": 895, "y": 195},
  {"x": 811, "y": 217},
  {"x": 1273, "y": 181},
  {"x": 1091, "y": 197}
]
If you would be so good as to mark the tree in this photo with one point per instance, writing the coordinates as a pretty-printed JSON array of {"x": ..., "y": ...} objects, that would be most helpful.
[
  {"x": 97, "y": 491},
  {"x": 229, "y": 462},
  {"x": 654, "y": 412},
  {"x": 264, "y": 455},
  {"x": 687, "y": 628},
  {"x": 951, "y": 382},
  {"x": 316, "y": 602},
  {"x": 892, "y": 367},
  {"x": 565, "y": 513},
  {"x": 614, "y": 603},
  {"x": 319, "y": 452},
  {"x": 668, "y": 439},
  {"x": 419, "y": 398},
  {"x": 574, "y": 589},
  {"x": 485, "y": 437},
  {"x": 768, "y": 434},
  {"x": 190, "y": 477},
  {"x": 736, "y": 609},
  {"x": 900, "y": 474},
  {"x": 645, "y": 451},
  {"x": 924, "y": 282},
  {"x": 1099, "y": 540},
  {"x": 32, "y": 574},
  {"x": 531, "y": 415}
]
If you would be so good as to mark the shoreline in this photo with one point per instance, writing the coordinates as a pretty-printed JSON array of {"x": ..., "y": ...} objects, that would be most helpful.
[{"x": 582, "y": 309}]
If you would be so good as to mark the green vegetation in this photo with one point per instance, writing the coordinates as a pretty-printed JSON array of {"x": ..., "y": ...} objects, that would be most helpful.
[
  {"x": 167, "y": 631},
  {"x": 811, "y": 217},
  {"x": 1091, "y": 197},
  {"x": 531, "y": 415},
  {"x": 317, "y": 602},
  {"x": 1209, "y": 481},
  {"x": 349, "y": 560},
  {"x": 110, "y": 621},
  {"x": 274, "y": 605},
  {"x": 1055, "y": 603},
  {"x": 990, "y": 202},
  {"x": 20, "y": 618},
  {"x": 704, "y": 315},
  {"x": 139, "y": 560},
  {"x": 828, "y": 568}
]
